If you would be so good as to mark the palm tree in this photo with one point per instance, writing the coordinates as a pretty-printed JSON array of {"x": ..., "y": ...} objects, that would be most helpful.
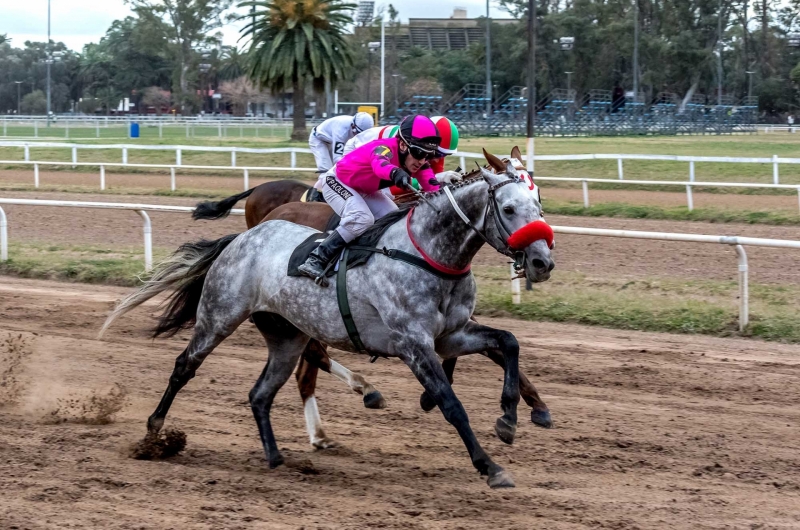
[
  {"x": 233, "y": 63},
  {"x": 296, "y": 41}
]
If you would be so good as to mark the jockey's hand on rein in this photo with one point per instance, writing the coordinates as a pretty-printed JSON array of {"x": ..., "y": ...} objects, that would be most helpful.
[
  {"x": 448, "y": 177},
  {"x": 401, "y": 178}
]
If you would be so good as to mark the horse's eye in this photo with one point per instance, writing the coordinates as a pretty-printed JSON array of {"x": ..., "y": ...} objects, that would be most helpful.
[{"x": 508, "y": 209}]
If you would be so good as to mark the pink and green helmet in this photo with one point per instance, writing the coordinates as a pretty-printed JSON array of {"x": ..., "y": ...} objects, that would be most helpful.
[{"x": 448, "y": 133}]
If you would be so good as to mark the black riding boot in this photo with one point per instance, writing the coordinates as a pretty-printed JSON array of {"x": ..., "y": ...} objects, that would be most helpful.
[
  {"x": 315, "y": 196},
  {"x": 314, "y": 267}
]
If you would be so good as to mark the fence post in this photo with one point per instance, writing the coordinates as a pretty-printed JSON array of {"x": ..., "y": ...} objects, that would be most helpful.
[
  {"x": 66, "y": 127},
  {"x": 36, "y": 175},
  {"x": 5, "y": 128},
  {"x": 585, "y": 193},
  {"x": 798, "y": 197},
  {"x": 124, "y": 155},
  {"x": 233, "y": 157},
  {"x": 187, "y": 130},
  {"x": 172, "y": 183},
  {"x": 74, "y": 156},
  {"x": 177, "y": 157},
  {"x": 241, "y": 131},
  {"x": 294, "y": 159},
  {"x": 3, "y": 236},
  {"x": 689, "y": 199},
  {"x": 744, "y": 290},
  {"x": 246, "y": 179},
  {"x": 97, "y": 128},
  {"x": 463, "y": 163},
  {"x": 515, "y": 293},
  {"x": 35, "y": 129},
  {"x": 619, "y": 168},
  {"x": 102, "y": 177},
  {"x": 27, "y": 153},
  {"x": 148, "y": 240},
  {"x": 256, "y": 131},
  {"x": 691, "y": 171},
  {"x": 219, "y": 131},
  {"x": 160, "y": 130},
  {"x": 775, "y": 179}
]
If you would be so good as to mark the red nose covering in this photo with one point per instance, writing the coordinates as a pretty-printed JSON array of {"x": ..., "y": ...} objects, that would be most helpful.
[{"x": 529, "y": 233}]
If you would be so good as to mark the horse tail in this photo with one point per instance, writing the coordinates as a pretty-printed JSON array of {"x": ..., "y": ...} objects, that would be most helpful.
[
  {"x": 218, "y": 209},
  {"x": 183, "y": 273}
]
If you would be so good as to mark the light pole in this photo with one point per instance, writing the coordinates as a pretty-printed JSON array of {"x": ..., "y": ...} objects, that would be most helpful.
[
  {"x": 749, "y": 85},
  {"x": 18, "y": 98},
  {"x": 396, "y": 102},
  {"x": 531, "y": 80},
  {"x": 569, "y": 81},
  {"x": 488, "y": 62},
  {"x": 49, "y": 61},
  {"x": 719, "y": 55},
  {"x": 635, "y": 49}
]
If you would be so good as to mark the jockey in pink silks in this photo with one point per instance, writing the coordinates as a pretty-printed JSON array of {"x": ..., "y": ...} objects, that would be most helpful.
[{"x": 353, "y": 186}]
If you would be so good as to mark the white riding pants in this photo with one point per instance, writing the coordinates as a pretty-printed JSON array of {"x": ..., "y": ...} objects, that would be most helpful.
[
  {"x": 358, "y": 211},
  {"x": 322, "y": 156}
]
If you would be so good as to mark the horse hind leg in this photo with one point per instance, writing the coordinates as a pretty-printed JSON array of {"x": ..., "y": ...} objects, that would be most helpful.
[
  {"x": 372, "y": 398},
  {"x": 202, "y": 343},
  {"x": 286, "y": 344},
  {"x": 306, "y": 376}
]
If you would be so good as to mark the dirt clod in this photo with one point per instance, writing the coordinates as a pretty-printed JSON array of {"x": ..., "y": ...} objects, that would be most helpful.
[{"x": 165, "y": 444}]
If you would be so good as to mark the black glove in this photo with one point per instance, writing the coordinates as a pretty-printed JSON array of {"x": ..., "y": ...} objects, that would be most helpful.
[{"x": 400, "y": 178}]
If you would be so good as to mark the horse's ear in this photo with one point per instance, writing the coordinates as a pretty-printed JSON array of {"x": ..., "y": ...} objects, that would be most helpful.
[
  {"x": 495, "y": 162},
  {"x": 515, "y": 153},
  {"x": 493, "y": 178}
]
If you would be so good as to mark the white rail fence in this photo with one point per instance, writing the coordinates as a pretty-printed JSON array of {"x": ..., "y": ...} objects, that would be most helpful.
[
  {"x": 775, "y": 161},
  {"x": 142, "y": 209},
  {"x": 737, "y": 242}
]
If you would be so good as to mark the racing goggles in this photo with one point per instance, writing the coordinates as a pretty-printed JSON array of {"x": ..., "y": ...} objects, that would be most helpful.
[{"x": 420, "y": 153}]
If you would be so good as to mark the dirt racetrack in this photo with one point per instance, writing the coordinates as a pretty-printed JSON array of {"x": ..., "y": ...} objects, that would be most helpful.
[{"x": 652, "y": 431}]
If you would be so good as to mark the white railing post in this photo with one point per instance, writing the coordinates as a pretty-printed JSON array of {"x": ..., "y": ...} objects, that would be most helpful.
[
  {"x": 27, "y": 153},
  {"x": 462, "y": 161},
  {"x": 294, "y": 159},
  {"x": 775, "y": 179},
  {"x": 5, "y": 128},
  {"x": 241, "y": 131},
  {"x": 585, "y": 193},
  {"x": 187, "y": 130},
  {"x": 177, "y": 157},
  {"x": 97, "y": 128},
  {"x": 102, "y": 177},
  {"x": 74, "y": 156},
  {"x": 36, "y": 176},
  {"x": 233, "y": 157},
  {"x": 3, "y": 236},
  {"x": 798, "y": 197},
  {"x": 744, "y": 289},
  {"x": 619, "y": 169},
  {"x": 691, "y": 171},
  {"x": 35, "y": 129},
  {"x": 172, "y": 182},
  {"x": 160, "y": 130},
  {"x": 246, "y": 179},
  {"x": 66, "y": 125},
  {"x": 219, "y": 129},
  {"x": 689, "y": 198},
  {"x": 125, "y": 155},
  {"x": 515, "y": 292},
  {"x": 148, "y": 240}
]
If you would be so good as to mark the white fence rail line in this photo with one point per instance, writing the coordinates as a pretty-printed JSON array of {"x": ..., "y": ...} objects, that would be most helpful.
[
  {"x": 736, "y": 241},
  {"x": 140, "y": 209},
  {"x": 774, "y": 160},
  {"x": 688, "y": 184}
]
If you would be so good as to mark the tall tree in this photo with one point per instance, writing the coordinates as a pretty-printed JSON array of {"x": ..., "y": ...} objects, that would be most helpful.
[
  {"x": 188, "y": 26},
  {"x": 294, "y": 42}
]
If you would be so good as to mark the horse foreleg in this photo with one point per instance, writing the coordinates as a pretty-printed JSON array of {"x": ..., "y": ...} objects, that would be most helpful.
[
  {"x": 306, "y": 376},
  {"x": 540, "y": 414},
  {"x": 425, "y": 400},
  {"x": 424, "y": 363}
]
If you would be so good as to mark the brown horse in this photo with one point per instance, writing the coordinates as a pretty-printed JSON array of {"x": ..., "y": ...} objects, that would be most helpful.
[{"x": 262, "y": 200}]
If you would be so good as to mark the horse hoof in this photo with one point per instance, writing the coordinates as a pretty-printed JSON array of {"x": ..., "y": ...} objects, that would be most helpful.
[
  {"x": 275, "y": 461},
  {"x": 505, "y": 431},
  {"x": 324, "y": 443},
  {"x": 374, "y": 400},
  {"x": 541, "y": 418},
  {"x": 501, "y": 479},
  {"x": 154, "y": 425},
  {"x": 426, "y": 402}
]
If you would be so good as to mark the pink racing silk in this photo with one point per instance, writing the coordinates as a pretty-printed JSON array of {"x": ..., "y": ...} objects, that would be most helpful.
[{"x": 368, "y": 168}]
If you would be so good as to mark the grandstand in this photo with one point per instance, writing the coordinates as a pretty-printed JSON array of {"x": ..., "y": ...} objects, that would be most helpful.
[{"x": 455, "y": 33}]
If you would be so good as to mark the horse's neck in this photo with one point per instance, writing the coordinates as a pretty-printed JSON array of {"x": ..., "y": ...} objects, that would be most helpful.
[{"x": 446, "y": 238}]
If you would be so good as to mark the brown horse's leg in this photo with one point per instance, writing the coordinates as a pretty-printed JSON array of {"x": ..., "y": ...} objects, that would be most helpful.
[
  {"x": 317, "y": 354},
  {"x": 306, "y": 376},
  {"x": 268, "y": 196}
]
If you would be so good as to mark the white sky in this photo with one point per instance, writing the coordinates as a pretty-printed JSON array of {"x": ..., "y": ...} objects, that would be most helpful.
[{"x": 78, "y": 22}]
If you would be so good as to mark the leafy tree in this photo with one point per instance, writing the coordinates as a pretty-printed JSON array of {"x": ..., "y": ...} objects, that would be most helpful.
[
  {"x": 187, "y": 26},
  {"x": 34, "y": 103},
  {"x": 156, "y": 97},
  {"x": 239, "y": 93},
  {"x": 297, "y": 41}
]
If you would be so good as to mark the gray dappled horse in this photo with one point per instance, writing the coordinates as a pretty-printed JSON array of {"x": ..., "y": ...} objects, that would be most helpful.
[{"x": 400, "y": 310}]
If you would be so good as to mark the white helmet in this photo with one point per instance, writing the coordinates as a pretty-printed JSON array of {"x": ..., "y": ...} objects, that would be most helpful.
[{"x": 363, "y": 121}]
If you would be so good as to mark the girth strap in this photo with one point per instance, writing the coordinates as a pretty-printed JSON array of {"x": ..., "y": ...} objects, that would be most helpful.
[{"x": 341, "y": 286}]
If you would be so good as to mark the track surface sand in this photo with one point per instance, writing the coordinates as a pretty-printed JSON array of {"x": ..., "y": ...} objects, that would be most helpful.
[{"x": 652, "y": 431}]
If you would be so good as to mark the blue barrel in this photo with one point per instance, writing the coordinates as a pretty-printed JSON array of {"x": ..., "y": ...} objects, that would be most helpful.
[{"x": 134, "y": 130}]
